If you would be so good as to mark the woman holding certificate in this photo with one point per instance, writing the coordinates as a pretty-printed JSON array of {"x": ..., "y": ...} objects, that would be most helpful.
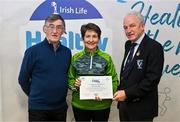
[{"x": 89, "y": 73}]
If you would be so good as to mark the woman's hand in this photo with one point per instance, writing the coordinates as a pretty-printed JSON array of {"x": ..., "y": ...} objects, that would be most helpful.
[
  {"x": 97, "y": 98},
  {"x": 78, "y": 83}
]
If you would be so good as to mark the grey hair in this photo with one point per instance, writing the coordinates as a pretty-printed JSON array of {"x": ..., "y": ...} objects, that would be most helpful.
[
  {"x": 137, "y": 14},
  {"x": 54, "y": 17}
]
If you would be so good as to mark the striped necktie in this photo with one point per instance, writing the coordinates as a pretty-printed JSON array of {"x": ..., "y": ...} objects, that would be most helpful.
[{"x": 130, "y": 56}]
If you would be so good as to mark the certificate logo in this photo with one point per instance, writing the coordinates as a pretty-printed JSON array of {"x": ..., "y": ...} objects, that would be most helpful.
[{"x": 95, "y": 80}]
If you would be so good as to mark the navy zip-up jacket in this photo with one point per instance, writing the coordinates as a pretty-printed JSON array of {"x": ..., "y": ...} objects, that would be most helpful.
[{"x": 43, "y": 75}]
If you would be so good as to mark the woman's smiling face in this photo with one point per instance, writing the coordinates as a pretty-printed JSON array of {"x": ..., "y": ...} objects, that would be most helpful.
[{"x": 91, "y": 40}]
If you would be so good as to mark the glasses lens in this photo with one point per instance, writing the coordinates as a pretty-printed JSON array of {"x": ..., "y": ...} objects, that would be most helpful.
[{"x": 58, "y": 27}]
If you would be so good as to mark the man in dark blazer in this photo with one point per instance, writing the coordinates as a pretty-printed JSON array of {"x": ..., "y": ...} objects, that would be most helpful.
[{"x": 137, "y": 94}]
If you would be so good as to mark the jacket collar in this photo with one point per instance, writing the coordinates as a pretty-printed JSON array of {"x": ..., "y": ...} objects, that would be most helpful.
[
  {"x": 139, "y": 50},
  {"x": 48, "y": 44},
  {"x": 91, "y": 53}
]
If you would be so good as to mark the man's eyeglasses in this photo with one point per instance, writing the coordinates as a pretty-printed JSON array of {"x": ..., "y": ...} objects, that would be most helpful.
[{"x": 58, "y": 27}]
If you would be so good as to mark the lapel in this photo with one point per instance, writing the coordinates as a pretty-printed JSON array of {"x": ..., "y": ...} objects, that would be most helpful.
[{"x": 134, "y": 61}]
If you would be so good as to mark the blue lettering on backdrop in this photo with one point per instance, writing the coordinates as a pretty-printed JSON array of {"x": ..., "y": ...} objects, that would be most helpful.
[
  {"x": 73, "y": 41},
  {"x": 174, "y": 70},
  {"x": 167, "y": 46},
  {"x": 103, "y": 43},
  {"x": 69, "y": 10},
  {"x": 32, "y": 40},
  {"x": 121, "y": 1},
  {"x": 178, "y": 49},
  {"x": 165, "y": 18},
  {"x": 154, "y": 36}
]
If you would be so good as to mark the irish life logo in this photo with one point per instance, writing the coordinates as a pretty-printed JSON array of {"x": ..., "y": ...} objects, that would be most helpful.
[{"x": 75, "y": 13}]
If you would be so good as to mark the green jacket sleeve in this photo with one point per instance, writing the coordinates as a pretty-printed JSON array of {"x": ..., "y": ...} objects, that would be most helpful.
[{"x": 72, "y": 76}]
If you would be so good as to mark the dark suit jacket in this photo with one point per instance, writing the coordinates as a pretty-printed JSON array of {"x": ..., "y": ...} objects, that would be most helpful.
[{"x": 141, "y": 80}]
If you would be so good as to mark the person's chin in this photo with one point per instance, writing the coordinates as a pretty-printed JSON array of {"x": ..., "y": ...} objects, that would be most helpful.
[
  {"x": 54, "y": 41},
  {"x": 132, "y": 38}
]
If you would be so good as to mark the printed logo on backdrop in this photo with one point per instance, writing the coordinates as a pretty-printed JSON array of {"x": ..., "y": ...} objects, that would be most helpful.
[
  {"x": 164, "y": 97},
  {"x": 75, "y": 14}
]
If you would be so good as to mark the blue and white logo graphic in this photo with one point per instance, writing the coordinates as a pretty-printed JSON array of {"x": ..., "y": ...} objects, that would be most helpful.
[
  {"x": 73, "y": 11},
  {"x": 54, "y": 4},
  {"x": 68, "y": 9}
]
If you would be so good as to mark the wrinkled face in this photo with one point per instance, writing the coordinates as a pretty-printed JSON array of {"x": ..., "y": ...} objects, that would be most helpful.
[
  {"x": 53, "y": 31},
  {"x": 91, "y": 40},
  {"x": 133, "y": 27}
]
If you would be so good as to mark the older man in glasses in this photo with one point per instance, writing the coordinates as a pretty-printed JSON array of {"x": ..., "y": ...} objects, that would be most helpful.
[{"x": 43, "y": 74}]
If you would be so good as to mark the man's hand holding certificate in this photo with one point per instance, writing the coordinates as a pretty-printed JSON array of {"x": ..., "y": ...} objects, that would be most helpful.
[{"x": 96, "y": 86}]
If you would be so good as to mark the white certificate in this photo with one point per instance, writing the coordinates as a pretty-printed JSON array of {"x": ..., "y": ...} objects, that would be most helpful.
[{"x": 92, "y": 86}]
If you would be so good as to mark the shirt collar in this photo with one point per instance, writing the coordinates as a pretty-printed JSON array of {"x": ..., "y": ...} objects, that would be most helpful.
[{"x": 140, "y": 39}]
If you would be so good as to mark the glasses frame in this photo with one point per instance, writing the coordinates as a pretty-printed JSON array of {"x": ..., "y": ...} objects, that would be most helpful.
[{"x": 57, "y": 27}]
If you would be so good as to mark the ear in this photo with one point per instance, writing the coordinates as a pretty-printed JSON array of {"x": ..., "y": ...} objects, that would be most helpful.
[
  {"x": 44, "y": 29},
  {"x": 142, "y": 24}
]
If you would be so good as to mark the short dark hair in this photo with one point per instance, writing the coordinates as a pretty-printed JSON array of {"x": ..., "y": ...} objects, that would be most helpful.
[
  {"x": 90, "y": 26},
  {"x": 54, "y": 17}
]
